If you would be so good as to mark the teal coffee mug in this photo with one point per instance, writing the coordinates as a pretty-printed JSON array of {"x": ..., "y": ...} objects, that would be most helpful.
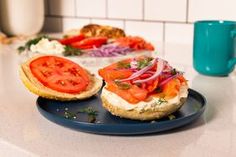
[{"x": 214, "y": 47}]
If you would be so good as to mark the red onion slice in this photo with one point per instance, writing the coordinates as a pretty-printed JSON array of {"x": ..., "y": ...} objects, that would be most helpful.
[
  {"x": 134, "y": 63},
  {"x": 167, "y": 80},
  {"x": 170, "y": 78},
  {"x": 110, "y": 50},
  {"x": 160, "y": 67},
  {"x": 140, "y": 72}
]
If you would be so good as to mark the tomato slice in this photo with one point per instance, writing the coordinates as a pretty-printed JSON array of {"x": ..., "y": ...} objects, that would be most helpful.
[
  {"x": 68, "y": 41},
  {"x": 60, "y": 74},
  {"x": 136, "y": 43},
  {"x": 90, "y": 42}
]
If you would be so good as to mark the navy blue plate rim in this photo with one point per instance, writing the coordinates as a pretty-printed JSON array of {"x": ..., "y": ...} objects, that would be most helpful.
[{"x": 116, "y": 129}]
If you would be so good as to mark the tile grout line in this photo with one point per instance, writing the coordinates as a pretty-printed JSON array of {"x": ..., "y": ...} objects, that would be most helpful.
[
  {"x": 106, "y": 9},
  {"x": 187, "y": 10},
  {"x": 164, "y": 31},
  {"x": 121, "y": 19},
  {"x": 143, "y": 10},
  {"x": 164, "y": 38},
  {"x": 124, "y": 25},
  {"x": 75, "y": 13}
]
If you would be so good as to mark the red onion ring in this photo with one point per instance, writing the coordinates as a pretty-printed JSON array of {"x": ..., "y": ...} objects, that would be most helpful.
[
  {"x": 160, "y": 67},
  {"x": 140, "y": 72},
  {"x": 167, "y": 80}
]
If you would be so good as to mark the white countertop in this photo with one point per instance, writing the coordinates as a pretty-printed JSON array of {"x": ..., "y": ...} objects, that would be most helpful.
[{"x": 25, "y": 132}]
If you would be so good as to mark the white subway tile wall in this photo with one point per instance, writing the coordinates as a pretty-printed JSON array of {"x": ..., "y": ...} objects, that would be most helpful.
[
  {"x": 212, "y": 9},
  {"x": 73, "y": 23},
  {"x": 125, "y": 9},
  {"x": 149, "y": 30},
  {"x": 91, "y": 8},
  {"x": 168, "y": 21},
  {"x": 179, "y": 33},
  {"x": 165, "y": 10}
]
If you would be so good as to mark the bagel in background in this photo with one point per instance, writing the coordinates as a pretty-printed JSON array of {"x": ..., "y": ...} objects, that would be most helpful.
[{"x": 95, "y": 30}]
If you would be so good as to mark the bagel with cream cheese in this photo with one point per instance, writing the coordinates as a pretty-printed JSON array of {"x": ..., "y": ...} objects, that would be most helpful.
[
  {"x": 58, "y": 78},
  {"x": 143, "y": 88}
]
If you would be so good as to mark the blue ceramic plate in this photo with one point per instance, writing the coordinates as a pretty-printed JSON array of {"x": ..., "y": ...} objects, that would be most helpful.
[{"x": 108, "y": 124}]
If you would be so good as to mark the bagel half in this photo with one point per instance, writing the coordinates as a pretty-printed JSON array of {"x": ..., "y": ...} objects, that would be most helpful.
[
  {"x": 143, "y": 88},
  {"x": 135, "y": 114},
  {"x": 39, "y": 89}
]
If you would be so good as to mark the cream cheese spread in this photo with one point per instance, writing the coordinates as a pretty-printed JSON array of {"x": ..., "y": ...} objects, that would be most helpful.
[
  {"x": 141, "y": 106},
  {"x": 47, "y": 47}
]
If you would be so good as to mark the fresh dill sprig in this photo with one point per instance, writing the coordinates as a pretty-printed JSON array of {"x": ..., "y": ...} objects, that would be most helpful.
[
  {"x": 33, "y": 41},
  {"x": 122, "y": 85},
  {"x": 161, "y": 101},
  {"x": 144, "y": 62},
  {"x": 69, "y": 115},
  {"x": 90, "y": 112},
  {"x": 123, "y": 65},
  {"x": 70, "y": 51},
  {"x": 171, "y": 117}
]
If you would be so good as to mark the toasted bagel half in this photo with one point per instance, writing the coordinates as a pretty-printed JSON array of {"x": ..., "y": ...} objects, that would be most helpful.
[
  {"x": 36, "y": 87},
  {"x": 136, "y": 114},
  {"x": 143, "y": 88}
]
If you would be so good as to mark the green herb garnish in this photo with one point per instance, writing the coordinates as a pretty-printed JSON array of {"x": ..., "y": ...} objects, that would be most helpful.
[
  {"x": 91, "y": 113},
  {"x": 122, "y": 85},
  {"x": 161, "y": 101},
  {"x": 89, "y": 110},
  {"x": 144, "y": 62},
  {"x": 123, "y": 65},
  {"x": 21, "y": 49},
  {"x": 197, "y": 107},
  {"x": 31, "y": 42},
  {"x": 70, "y": 51},
  {"x": 158, "y": 90},
  {"x": 69, "y": 115},
  {"x": 171, "y": 117},
  {"x": 173, "y": 71}
]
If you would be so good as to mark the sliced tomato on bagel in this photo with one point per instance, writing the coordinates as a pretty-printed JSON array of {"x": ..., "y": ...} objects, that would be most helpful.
[{"x": 60, "y": 74}]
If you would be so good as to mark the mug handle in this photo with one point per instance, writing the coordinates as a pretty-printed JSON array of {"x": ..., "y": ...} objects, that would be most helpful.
[{"x": 232, "y": 61}]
